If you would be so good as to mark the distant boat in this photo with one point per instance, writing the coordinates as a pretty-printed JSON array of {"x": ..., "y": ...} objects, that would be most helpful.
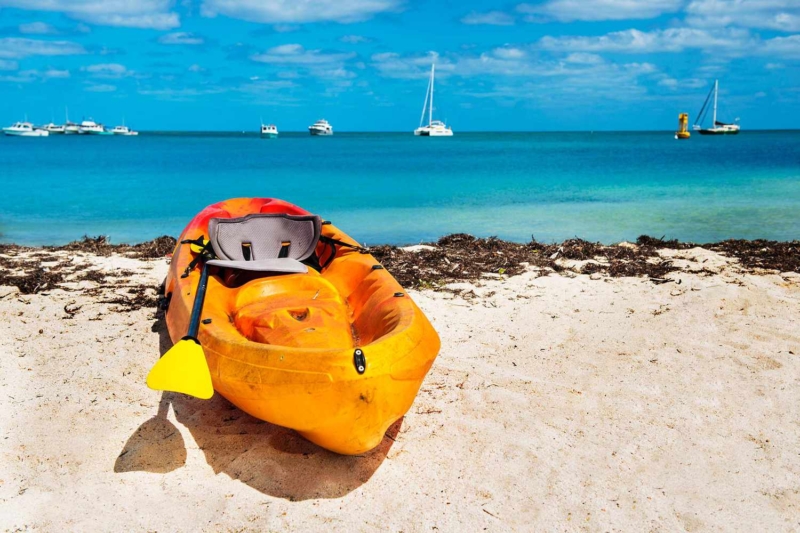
[
  {"x": 70, "y": 128},
  {"x": 320, "y": 127},
  {"x": 269, "y": 131},
  {"x": 25, "y": 129},
  {"x": 90, "y": 127},
  {"x": 683, "y": 127},
  {"x": 717, "y": 127},
  {"x": 435, "y": 128},
  {"x": 53, "y": 128},
  {"x": 124, "y": 130}
]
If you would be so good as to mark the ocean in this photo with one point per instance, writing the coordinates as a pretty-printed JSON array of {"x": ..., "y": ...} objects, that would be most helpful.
[{"x": 399, "y": 189}]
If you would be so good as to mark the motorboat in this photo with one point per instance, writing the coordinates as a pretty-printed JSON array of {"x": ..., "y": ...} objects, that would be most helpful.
[
  {"x": 124, "y": 130},
  {"x": 25, "y": 129},
  {"x": 90, "y": 127},
  {"x": 269, "y": 131},
  {"x": 320, "y": 127}
]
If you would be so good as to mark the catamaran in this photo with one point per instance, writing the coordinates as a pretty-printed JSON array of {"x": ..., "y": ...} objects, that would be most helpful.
[
  {"x": 435, "y": 128},
  {"x": 269, "y": 131},
  {"x": 321, "y": 127},
  {"x": 25, "y": 129},
  {"x": 717, "y": 127}
]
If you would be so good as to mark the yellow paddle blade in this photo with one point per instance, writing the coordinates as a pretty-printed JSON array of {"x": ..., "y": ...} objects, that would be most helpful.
[
  {"x": 196, "y": 248},
  {"x": 183, "y": 369}
]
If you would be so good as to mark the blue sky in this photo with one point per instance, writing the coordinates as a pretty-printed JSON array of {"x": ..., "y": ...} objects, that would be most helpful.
[{"x": 363, "y": 64}]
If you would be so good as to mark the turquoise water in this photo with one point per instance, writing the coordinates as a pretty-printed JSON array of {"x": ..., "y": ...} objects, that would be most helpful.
[{"x": 395, "y": 188}]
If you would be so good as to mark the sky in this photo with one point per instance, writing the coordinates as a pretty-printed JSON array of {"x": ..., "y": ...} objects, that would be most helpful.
[{"x": 547, "y": 65}]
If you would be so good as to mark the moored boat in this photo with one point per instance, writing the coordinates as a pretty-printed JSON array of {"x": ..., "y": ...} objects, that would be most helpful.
[
  {"x": 123, "y": 130},
  {"x": 269, "y": 131},
  {"x": 25, "y": 129},
  {"x": 321, "y": 127},
  {"x": 90, "y": 127},
  {"x": 717, "y": 127},
  {"x": 434, "y": 128},
  {"x": 301, "y": 326},
  {"x": 53, "y": 128}
]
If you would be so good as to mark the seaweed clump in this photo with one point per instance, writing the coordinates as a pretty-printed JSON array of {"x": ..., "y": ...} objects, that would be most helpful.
[
  {"x": 761, "y": 254},
  {"x": 154, "y": 249}
]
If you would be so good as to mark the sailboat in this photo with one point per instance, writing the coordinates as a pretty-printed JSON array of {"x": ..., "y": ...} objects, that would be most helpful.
[
  {"x": 717, "y": 127},
  {"x": 435, "y": 128}
]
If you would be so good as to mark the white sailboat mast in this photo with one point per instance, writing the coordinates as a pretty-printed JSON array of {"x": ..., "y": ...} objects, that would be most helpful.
[
  {"x": 716, "y": 91},
  {"x": 430, "y": 110},
  {"x": 425, "y": 104}
]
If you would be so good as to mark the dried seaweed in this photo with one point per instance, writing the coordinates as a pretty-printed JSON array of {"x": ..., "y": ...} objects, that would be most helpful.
[
  {"x": 761, "y": 254},
  {"x": 100, "y": 245}
]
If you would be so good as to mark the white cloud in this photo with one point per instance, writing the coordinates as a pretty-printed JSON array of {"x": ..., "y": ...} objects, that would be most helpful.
[
  {"x": 28, "y": 76},
  {"x": 5, "y": 64},
  {"x": 107, "y": 70},
  {"x": 582, "y": 58},
  {"x": 298, "y": 11},
  {"x": 508, "y": 53},
  {"x": 393, "y": 65},
  {"x": 354, "y": 39},
  {"x": 180, "y": 37},
  {"x": 492, "y": 18},
  {"x": 781, "y": 15},
  {"x": 669, "y": 40},
  {"x": 296, "y": 54},
  {"x": 570, "y": 10},
  {"x": 37, "y": 28},
  {"x": 783, "y": 46},
  {"x": 16, "y": 48},
  {"x": 154, "y": 14},
  {"x": 101, "y": 88},
  {"x": 196, "y": 68},
  {"x": 774, "y": 66}
]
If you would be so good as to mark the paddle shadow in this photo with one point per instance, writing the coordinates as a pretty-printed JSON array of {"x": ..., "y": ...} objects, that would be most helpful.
[{"x": 271, "y": 459}]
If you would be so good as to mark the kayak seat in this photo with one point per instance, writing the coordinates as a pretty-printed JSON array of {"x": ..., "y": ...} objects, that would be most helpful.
[{"x": 264, "y": 242}]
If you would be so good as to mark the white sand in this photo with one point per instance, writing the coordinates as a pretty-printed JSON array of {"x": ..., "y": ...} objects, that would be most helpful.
[{"x": 556, "y": 403}]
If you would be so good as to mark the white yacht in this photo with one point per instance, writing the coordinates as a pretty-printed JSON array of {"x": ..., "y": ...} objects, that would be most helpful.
[
  {"x": 269, "y": 131},
  {"x": 124, "y": 130},
  {"x": 25, "y": 129},
  {"x": 320, "y": 127},
  {"x": 53, "y": 128},
  {"x": 90, "y": 127},
  {"x": 434, "y": 128}
]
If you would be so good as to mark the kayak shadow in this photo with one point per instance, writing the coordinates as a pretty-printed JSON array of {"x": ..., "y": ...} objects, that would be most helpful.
[{"x": 271, "y": 459}]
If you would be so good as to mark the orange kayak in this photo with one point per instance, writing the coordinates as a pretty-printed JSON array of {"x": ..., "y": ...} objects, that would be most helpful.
[{"x": 337, "y": 353}]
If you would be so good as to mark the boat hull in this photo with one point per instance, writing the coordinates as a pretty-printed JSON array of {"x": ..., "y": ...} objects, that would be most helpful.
[
  {"x": 282, "y": 348},
  {"x": 718, "y": 132},
  {"x": 34, "y": 133},
  {"x": 269, "y": 135},
  {"x": 320, "y": 133}
]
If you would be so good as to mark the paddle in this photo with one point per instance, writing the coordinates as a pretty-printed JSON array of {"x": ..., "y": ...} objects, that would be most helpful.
[{"x": 184, "y": 368}]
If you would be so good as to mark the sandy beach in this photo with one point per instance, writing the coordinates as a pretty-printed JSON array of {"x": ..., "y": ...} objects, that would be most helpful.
[{"x": 560, "y": 401}]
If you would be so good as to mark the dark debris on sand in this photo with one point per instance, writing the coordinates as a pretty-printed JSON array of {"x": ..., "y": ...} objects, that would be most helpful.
[
  {"x": 457, "y": 257},
  {"x": 42, "y": 269}
]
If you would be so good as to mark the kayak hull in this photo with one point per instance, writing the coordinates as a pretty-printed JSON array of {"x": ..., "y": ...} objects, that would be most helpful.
[{"x": 283, "y": 347}]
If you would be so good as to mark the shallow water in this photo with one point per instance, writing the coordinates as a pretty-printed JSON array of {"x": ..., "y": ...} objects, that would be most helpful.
[{"x": 395, "y": 188}]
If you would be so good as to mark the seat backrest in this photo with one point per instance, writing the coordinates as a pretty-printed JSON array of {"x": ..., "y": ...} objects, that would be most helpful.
[{"x": 263, "y": 236}]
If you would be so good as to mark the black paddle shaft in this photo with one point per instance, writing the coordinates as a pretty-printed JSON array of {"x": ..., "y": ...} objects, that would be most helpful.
[{"x": 197, "y": 308}]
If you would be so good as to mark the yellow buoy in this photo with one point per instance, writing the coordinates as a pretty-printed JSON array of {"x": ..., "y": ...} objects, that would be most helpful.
[{"x": 683, "y": 127}]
